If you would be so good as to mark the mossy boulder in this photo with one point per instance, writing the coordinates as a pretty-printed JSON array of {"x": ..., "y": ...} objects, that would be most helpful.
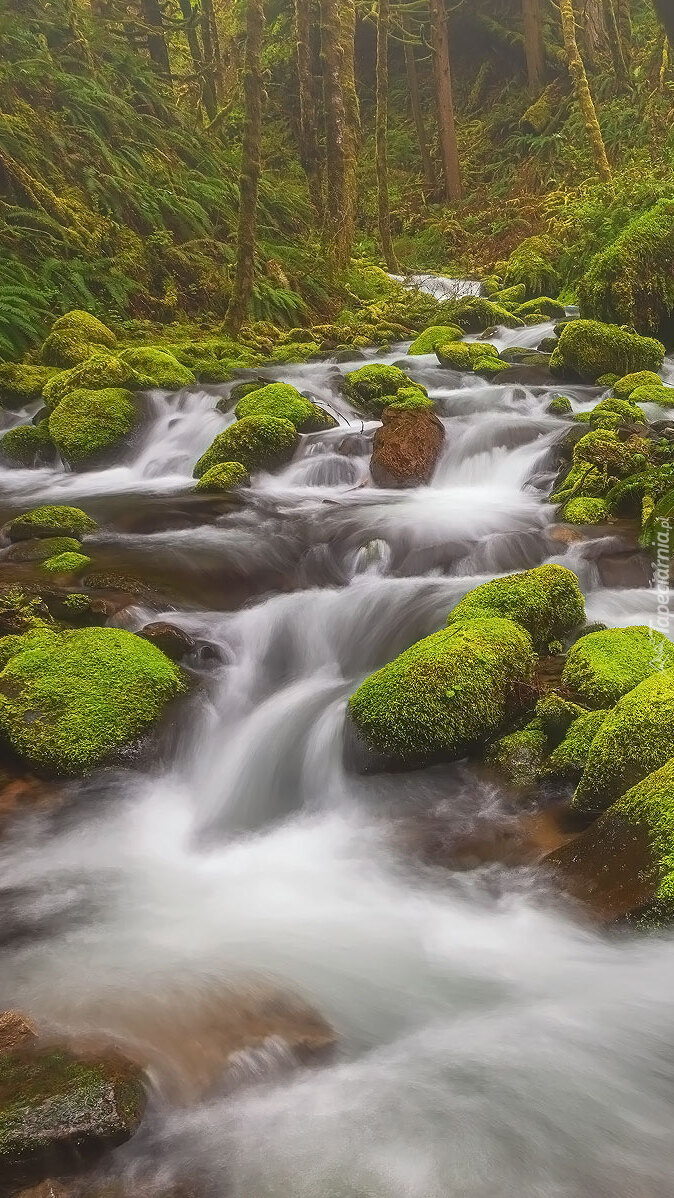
[
  {"x": 88, "y": 327},
  {"x": 86, "y": 425},
  {"x": 99, "y": 372},
  {"x": 546, "y": 601},
  {"x": 586, "y": 511},
  {"x": 603, "y": 666},
  {"x": 66, "y": 563},
  {"x": 519, "y": 756},
  {"x": 27, "y": 444},
  {"x": 556, "y": 714},
  {"x": 533, "y": 263},
  {"x": 69, "y": 701},
  {"x": 560, "y": 406},
  {"x": 373, "y": 387},
  {"x": 445, "y": 695},
  {"x": 569, "y": 758},
  {"x": 636, "y": 738},
  {"x": 160, "y": 366},
  {"x": 60, "y": 1112},
  {"x": 627, "y": 412},
  {"x": 66, "y": 349},
  {"x": 511, "y": 297},
  {"x": 41, "y": 549},
  {"x": 20, "y": 385},
  {"x": 588, "y": 349},
  {"x": 286, "y": 403},
  {"x": 256, "y": 442},
  {"x": 49, "y": 521},
  {"x": 623, "y": 387},
  {"x": 604, "y": 449},
  {"x": 224, "y": 477},
  {"x": 437, "y": 334},
  {"x": 474, "y": 314},
  {"x": 664, "y": 396},
  {"x": 407, "y": 399},
  {"x": 542, "y": 306},
  {"x": 465, "y": 355}
]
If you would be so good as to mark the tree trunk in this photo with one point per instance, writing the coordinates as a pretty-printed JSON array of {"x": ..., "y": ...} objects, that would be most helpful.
[
  {"x": 665, "y": 11},
  {"x": 336, "y": 243},
  {"x": 352, "y": 113},
  {"x": 615, "y": 44},
  {"x": 533, "y": 42},
  {"x": 595, "y": 39},
  {"x": 156, "y": 40},
  {"x": 310, "y": 153},
  {"x": 582, "y": 90},
  {"x": 189, "y": 15},
  {"x": 417, "y": 112},
  {"x": 211, "y": 44},
  {"x": 381, "y": 134},
  {"x": 449, "y": 151},
  {"x": 249, "y": 180}
]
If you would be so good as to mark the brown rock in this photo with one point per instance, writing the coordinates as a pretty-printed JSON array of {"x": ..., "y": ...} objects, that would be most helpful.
[
  {"x": 15, "y": 1031},
  {"x": 609, "y": 869},
  {"x": 631, "y": 569},
  {"x": 172, "y": 641},
  {"x": 46, "y": 1189},
  {"x": 406, "y": 448}
]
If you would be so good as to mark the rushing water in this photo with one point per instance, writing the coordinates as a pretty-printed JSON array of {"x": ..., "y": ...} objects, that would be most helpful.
[{"x": 491, "y": 1044}]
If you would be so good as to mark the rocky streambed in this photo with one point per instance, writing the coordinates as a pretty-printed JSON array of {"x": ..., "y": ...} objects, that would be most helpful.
[{"x": 336, "y": 835}]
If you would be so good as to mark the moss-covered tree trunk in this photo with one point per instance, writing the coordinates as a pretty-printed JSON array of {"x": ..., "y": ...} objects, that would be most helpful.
[
  {"x": 212, "y": 53},
  {"x": 417, "y": 111},
  {"x": 449, "y": 151},
  {"x": 190, "y": 16},
  {"x": 352, "y": 113},
  {"x": 623, "y": 12},
  {"x": 336, "y": 230},
  {"x": 533, "y": 42},
  {"x": 582, "y": 90},
  {"x": 381, "y": 137},
  {"x": 310, "y": 153},
  {"x": 615, "y": 43},
  {"x": 156, "y": 38},
  {"x": 251, "y": 166}
]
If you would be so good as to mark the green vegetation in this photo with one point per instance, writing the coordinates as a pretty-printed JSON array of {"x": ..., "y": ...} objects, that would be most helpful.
[
  {"x": 256, "y": 442},
  {"x": 568, "y": 760},
  {"x": 67, "y": 563},
  {"x": 373, "y": 388},
  {"x": 287, "y": 403},
  {"x": 625, "y": 386},
  {"x": 547, "y": 601},
  {"x": 438, "y": 334},
  {"x": 223, "y": 477},
  {"x": 27, "y": 444},
  {"x": 87, "y": 424},
  {"x": 586, "y": 511},
  {"x": 465, "y": 355},
  {"x": 160, "y": 366},
  {"x": 41, "y": 549},
  {"x": 603, "y": 666},
  {"x": 51, "y": 520},
  {"x": 649, "y": 805},
  {"x": 519, "y": 756},
  {"x": 588, "y": 349}
]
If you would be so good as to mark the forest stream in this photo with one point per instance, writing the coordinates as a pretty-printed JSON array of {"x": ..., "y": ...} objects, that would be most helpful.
[{"x": 471, "y": 1033}]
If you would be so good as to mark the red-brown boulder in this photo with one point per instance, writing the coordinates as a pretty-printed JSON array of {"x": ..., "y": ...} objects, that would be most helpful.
[{"x": 406, "y": 448}]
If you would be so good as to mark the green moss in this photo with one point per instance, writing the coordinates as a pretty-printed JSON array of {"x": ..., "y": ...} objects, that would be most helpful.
[
  {"x": 408, "y": 399},
  {"x": 556, "y": 715},
  {"x": 581, "y": 480},
  {"x": 447, "y": 693},
  {"x": 20, "y": 385},
  {"x": 559, "y": 406},
  {"x": 547, "y": 601},
  {"x": 437, "y": 334},
  {"x": 603, "y": 449},
  {"x": 588, "y": 349},
  {"x": 489, "y": 367},
  {"x": 650, "y": 805},
  {"x": 586, "y": 511},
  {"x": 51, "y": 520},
  {"x": 568, "y": 760},
  {"x": 42, "y": 548},
  {"x": 624, "y": 386},
  {"x": 603, "y": 666},
  {"x": 257, "y": 442},
  {"x": 69, "y": 700},
  {"x": 160, "y": 366},
  {"x": 26, "y": 443},
  {"x": 474, "y": 314},
  {"x": 303, "y": 351},
  {"x": 636, "y": 738},
  {"x": 628, "y": 412},
  {"x": 519, "y": 755},
  {"x": 224, "y": 477},
  {"x": 510, "y": 296},
  {"x": 87, "y": 424},
  {"x": 67, "y": 563},
  {"x": 664, "y": 396},
  {"x": 533, "y": 263},
  {"x": 286, "y": 403},
  {"x": 544, "y": 306},
  {"x": 100, "y": 372},
  {"x": 374, "y": 387},
  {"x": 632, "y": 282},
  {"x": 465, "y": 355},
  {"x": 88, "y": 327},
  {"x": 67, "y": 349},
  {"x": 76, "y": 603}
]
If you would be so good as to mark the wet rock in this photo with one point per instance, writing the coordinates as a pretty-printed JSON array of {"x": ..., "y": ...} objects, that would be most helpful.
[
  {"x": 58, "y": 1110},
  {"x": 47, "y": 1189},
  {"x": 52, "y": 520},
  {"x": 172, "y": 641},
  {"x": 21, "y": 795},
  {"x": 406, "y": 448},
  {"x": 355, "y": 445},
  {"x": 526, "y": 376},
  {"x": 608, "y": 869},
  {"x": 545, "y": 600},
  {"x": 16, "y": 1031},
  {"x": 631, "y": 569}
]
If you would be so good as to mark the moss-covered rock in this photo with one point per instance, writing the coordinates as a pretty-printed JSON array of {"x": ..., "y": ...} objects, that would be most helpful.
[
  {"x": 66, "y": 563},
  {"x": 604, "y": 449},
  {"x": 373, "y": 387},
  {"x": 627, "y": 412},
  {"x": 465, "y": 355},
  {"x": 586, "y": 511},
  {"x": 407, "y": 399},
  {"x": 474, "y": 314},
  {"x": 49, "y": 521},
  {"x": 20, "y": 385},
  {"x": 99, "y": 372},
  {"x": 623, "y": 387},
  {"x": 88, "y": 327},
  {"x": 664, "y": 396},
  {"x": 552, "y": 309},
  {"x": 568, "y": 760},
  {"x": 603, "y": 666},
  {"x": 632, "y": 281},
  {"x": 560, "y": 406},
  {"x": 286, "y": 403},
  {"x": 588, "y": 349},
  {"x": 650, "y": 806},
  {"x": 27, "y": 444},
  {"x": 69, "y": 700},
  {"x": 556, "y": 715},
  {"x": 546, "y": 601},
  {"x": 582, "y": 480},
  {"x": 437, "y": 334},
  {"x": 519, "y": 756},
  {"x": 160, "y": 366},
  {"x": 66, "y": 348},
  {"x": 446, "y": 694},
  {"x": 511, "y": 297},
  {"x": 636, "y": 738},
  {"x": 86, "y": 425},
  {"x": 533, "y": 263},
  {"x": 41, "y": 549},
  {"x": 224, "y": 477},
  {"x": 257, "y": 442}
]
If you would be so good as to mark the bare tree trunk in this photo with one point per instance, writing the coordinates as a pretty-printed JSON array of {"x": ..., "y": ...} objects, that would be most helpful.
[
  {"x": 156, "y": 39},
  {"x": 310, "y": 153},
  {"x": 533, "y": 42},
  {"x": 417, "y": 112},
  {"x": 591, "y": 19},
  {"x": 615, "y": 44},
  {"x": 381, "y": 134},
  {"x": 336, "y": 241},
  {"x": 582, "y": 90},
  {"x": 449, "y": 151},
  {"x": 624, "y": 19},
  {"x": 352, "y": 112},
  {"x": 251, "y": 166},
  {"x": 190, "y": 26}
]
